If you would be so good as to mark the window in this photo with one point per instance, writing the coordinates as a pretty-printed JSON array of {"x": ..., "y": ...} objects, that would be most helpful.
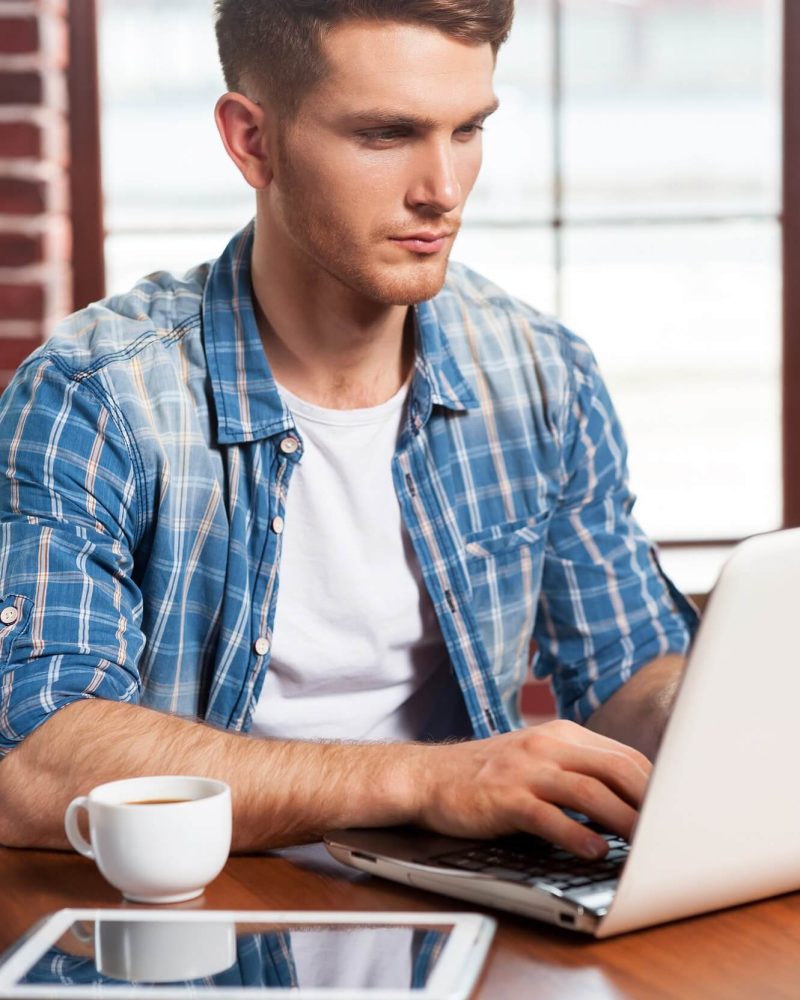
[{"x": 631, "y": 184}]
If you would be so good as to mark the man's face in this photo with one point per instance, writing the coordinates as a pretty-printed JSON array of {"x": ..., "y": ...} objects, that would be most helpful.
[{"x": 372, "y": 174}]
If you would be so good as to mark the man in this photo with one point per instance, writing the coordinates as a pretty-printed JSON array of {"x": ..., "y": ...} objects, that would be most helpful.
[{"x": 431, "y": 471}]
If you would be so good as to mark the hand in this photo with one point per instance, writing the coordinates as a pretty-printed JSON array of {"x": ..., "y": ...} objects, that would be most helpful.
[{"x": 520, "y": 781}]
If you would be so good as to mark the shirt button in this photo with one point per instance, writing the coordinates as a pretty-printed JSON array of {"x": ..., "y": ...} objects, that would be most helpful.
[
  {"x": 289, "y": 445},
  {"x": 8, "y": 616},
  {"x": 278, "y": 524},
  {"x": 261, "y": 645}
]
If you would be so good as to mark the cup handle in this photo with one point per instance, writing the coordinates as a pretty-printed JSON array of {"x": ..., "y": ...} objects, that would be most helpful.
[{"x": 74, "y": 835}]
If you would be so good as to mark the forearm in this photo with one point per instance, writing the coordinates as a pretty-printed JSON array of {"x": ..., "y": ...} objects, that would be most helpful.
[
  {"x": 289, "y": 792},
  {"x": 283, "y": 792},
  {"x": 637, "y": 713}
]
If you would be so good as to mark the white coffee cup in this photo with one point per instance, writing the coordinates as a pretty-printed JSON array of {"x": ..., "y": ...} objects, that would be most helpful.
[
  {"x": 159, "y": 839},
  {"x": 157, "y": 952}
]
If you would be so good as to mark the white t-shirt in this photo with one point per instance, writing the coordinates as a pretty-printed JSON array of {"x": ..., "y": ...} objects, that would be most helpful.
[
  {"x": 379, "y": 958},
  {"x": 356, "y": 648}
]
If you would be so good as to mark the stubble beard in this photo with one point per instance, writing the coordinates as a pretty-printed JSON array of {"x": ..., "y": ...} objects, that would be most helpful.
[
  {"x": 356, "y": 263},
  {"x": 404, "y": 285},
  {"x": 359, "y": 267}
]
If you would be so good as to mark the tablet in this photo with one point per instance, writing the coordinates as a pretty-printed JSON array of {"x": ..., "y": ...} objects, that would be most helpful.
[{"x": 173, "y": 954}]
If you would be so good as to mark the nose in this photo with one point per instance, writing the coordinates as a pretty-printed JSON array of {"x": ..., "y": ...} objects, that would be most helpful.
[{"x": 435, "y": 185}]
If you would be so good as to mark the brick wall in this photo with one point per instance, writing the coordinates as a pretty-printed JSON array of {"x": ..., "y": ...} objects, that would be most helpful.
[
  {"x": 35, "y": 273},
  {"x": 537, "y": 702}
]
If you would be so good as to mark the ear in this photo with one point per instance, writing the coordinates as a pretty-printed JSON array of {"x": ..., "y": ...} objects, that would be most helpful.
[{"x": 243, "y": 126}]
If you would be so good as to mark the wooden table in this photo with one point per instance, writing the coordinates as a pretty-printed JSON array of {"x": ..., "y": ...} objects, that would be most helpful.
[{"x": 752, "y": 952}]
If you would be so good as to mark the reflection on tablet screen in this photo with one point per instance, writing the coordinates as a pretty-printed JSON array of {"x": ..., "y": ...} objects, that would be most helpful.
[{"x": 196, "y": 955}]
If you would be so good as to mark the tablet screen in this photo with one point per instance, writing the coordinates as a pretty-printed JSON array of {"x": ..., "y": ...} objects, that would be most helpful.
[{"x": 196, "y": 956}]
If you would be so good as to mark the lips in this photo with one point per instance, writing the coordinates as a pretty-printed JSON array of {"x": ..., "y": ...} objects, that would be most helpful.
[{"x": 424, "y": 242}]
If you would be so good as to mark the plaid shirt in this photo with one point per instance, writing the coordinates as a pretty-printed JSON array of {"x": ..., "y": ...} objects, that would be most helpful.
[
  {"x": 145, "y": 453},
  {"x": 261, "y": 960}
]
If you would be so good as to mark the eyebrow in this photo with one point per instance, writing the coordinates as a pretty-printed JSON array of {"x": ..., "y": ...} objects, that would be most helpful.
[{"x": 383, "y": 116}]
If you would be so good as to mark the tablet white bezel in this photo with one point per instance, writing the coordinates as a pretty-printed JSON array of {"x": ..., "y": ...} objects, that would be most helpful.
[{"x": 453, "y": 978}]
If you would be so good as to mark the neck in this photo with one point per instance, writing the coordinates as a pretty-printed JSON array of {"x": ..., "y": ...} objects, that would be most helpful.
[{"x": 325, "y": 342}]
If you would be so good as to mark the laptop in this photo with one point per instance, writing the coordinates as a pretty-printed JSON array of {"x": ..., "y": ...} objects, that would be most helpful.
[{"x": 720, "y": 824}]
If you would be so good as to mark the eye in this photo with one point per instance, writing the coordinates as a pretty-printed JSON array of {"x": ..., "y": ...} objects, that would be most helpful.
[
  {"x": 468, "y": 131},
  {"x": 383, "y": 135}
]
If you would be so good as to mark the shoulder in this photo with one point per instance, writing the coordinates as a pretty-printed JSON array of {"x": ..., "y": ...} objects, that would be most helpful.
[
  {"x": 126, "y": 351},
  {"x": 151, "y": 317},
  {"x": 130, "y": 355},
  {"x": 489, "y": 328}
]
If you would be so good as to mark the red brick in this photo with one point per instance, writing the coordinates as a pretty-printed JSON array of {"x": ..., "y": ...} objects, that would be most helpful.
[
  {"x": 19, "y": 196},
  {"x": 19, "y": 35},
  {"x": 20, "y": 139},
  {"x": 18, "y": 301},
  {"x": 21, "y": 87},
  {"x": 20, "y": 250},
  {"x": 537, "y": 699},
  {"x": 14, "y": 350}
]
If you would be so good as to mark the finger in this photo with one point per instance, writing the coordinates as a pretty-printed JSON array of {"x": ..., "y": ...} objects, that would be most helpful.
[
  {"x": 549, "y": 822},
  {"x": 589, "y": 796},
  {"x": 616, "y": 771},
  {"x": 574, "y": 733}
]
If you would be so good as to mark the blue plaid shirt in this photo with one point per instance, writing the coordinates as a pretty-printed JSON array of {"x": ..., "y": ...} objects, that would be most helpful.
[
  {"x": 145, "y": 451},
  {"x": 261, "y": 960}
]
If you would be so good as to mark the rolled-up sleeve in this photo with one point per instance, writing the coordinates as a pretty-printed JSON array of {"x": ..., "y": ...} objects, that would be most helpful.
[
  {"x": 70, "y": 611},
  {"x": 606, "y": 609}
]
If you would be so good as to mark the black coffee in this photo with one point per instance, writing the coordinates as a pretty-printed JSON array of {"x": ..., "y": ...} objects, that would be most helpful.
[{"x": 156, "y": 802}]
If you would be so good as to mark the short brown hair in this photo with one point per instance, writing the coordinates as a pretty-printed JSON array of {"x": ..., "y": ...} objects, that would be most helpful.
[{"x": 277, "y": 44}]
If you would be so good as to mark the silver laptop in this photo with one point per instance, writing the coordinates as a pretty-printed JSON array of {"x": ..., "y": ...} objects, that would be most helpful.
[{"x": 720, "y": 824}]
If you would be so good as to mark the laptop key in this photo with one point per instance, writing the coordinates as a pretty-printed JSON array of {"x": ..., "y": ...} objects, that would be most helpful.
[{"x": 510, "y": 860}]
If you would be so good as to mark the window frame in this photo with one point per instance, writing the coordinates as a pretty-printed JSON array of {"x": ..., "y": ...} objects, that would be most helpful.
[
  {"x": 790, "y": 217},
  {"x": 89, "y": 232},
  {"x": 85, "y": 174}
]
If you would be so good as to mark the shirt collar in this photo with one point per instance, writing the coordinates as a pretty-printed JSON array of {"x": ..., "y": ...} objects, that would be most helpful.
[
  {"x": 247, "y": 400},
  {"x": 439, "y": 377},
  {"x": 248, "y": 404}
]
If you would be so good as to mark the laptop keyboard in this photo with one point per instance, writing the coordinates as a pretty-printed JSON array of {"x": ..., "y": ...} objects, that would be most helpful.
[{"x": 531, "y": 860}]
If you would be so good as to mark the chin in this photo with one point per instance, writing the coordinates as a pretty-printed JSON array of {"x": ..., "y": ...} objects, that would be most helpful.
[{"x": 409, "y": 289}]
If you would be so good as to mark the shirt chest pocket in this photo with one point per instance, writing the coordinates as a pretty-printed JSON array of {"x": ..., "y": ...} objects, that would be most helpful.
[
  {"x": 502, "y": 540},
  {"x": 504, "y": 565},
  {"x": 504, "y": 562}
]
